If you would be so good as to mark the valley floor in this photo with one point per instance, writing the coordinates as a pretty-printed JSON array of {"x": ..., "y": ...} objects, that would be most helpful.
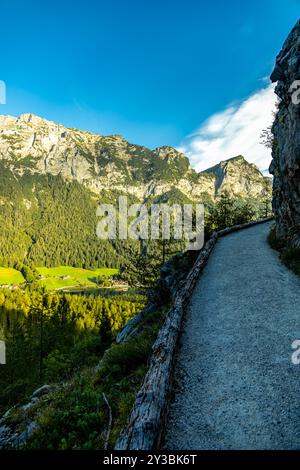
[
  {"x": 66, "y": 278},
  {"x": 236, "y": 386}
]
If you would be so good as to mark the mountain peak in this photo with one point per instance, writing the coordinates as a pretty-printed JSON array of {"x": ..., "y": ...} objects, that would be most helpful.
[
  {"x": 33, "y": 145},
  {"x": 167, "y": 151},
  {"x": 33, "y": 119},
  {"x": 237, "y": 175},
  {"x": 28, "y": 117},
  {"x": 238, "y": 158},
  {"x": 233, "y": 161}
]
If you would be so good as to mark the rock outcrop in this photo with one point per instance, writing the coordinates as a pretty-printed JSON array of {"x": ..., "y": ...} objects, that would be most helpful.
[
  {"x": 17, "y": 424},
  {"x": 285, "y": 165},
  {"x": 237, "y": 176}
]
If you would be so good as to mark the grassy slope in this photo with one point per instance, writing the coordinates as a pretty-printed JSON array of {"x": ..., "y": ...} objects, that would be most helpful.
[
  {"x": 78, "y": 276},
  {"x": 9, "y": 276},
  {"x": 76, "y": 416},
  {"x": 53, "y": 276}
]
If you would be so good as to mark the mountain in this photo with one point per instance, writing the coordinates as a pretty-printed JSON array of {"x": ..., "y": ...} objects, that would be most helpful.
[
  {"x": 52, "y": 179},
  {"x": 32, "y": 145},
  {"x": 237, "y": 177}
]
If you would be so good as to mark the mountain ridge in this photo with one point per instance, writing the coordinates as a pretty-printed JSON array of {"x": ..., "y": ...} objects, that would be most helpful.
[
  {"x": 53, "y": 178},
  {"x": 31, "y": 144}
]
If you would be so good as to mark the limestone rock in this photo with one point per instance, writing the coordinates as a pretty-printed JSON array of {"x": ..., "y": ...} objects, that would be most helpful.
[
  {"x": 285, "y": 165},
  {"x": 43, "y": 390},
  {"x": 30, "y": 144}
]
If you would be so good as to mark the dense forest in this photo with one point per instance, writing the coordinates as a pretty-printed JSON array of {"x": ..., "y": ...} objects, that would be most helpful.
[
  {"x": 47, "y": 221},
  {"x": 50, "y": 335},
  {"x": 61, "y": 339},
  {"x": 67, "y": 341}
]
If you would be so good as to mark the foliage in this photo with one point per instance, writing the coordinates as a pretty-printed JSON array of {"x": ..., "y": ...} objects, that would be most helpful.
[
  {"x": 48, "y": 336},
  {"x": 76, "y": 415},
  {"x": 267, "y": 138},
  {"x": 142, "y": 270},
  {"x": 233, "y": 211},
  {"x": 290, "y": 256},
  {"x": 29, "y": 273},
  {"x": 46, "y": 221}
]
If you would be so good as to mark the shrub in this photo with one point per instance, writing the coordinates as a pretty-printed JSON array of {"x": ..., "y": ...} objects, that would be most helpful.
[{"x": 290, "y": 256}]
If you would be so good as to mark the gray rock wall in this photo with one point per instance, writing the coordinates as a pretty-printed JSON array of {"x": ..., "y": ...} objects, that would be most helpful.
[{"x": 285, "y": 165}]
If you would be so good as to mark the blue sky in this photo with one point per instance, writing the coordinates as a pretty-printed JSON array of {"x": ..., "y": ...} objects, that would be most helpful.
[{"x": 153, "y": 71}]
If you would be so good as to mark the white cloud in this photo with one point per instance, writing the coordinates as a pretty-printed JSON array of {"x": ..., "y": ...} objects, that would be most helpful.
[{"x": 234, "y": 131}]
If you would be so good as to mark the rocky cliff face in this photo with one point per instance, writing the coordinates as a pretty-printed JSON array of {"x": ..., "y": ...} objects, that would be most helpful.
[
  {"x": 237, "y": 176},
  {"x": 29, "y": 144},
  {"x": 285, "y": 165}
]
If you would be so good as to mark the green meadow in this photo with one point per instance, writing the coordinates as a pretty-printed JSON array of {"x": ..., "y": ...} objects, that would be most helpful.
[
  {"x": 9, "y": 276},
  {"x": 62, "y": 277},
  {"x": 67, "y": 276}
]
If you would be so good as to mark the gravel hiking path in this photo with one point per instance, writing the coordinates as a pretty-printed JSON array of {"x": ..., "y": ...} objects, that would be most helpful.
[{"x": 235, "y": 384}]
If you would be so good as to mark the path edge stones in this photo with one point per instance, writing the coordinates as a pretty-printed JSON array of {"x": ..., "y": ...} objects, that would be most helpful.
[{"x": 146, "y": 421}]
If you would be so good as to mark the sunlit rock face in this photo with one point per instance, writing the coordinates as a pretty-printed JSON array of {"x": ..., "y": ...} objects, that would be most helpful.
[
  {"x": 30, "y": 144},
  {"x": 285, "y": 165}
]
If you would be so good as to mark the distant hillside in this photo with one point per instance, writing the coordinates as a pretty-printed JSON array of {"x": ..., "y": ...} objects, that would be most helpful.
[
  {"x": 52, "y": 179},
  {"x": 237, "y": 177},
  {"x": 29, "y": 144}
]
